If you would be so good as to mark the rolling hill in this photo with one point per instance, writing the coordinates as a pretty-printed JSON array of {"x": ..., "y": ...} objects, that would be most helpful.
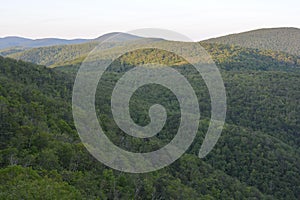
[
  {"x": 270, "y": 43},
  {"x": 276, "y": 39}
]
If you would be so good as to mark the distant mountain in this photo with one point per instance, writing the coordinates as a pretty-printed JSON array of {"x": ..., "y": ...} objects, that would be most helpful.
[
  {"x": 9, "y": 42},
  {"x": 119, "y": 37},
  {"x": 62, "y": 54},
  {"x": 74, "y": 54},
  {"x": 276, "y": 39},
  {"x": 12, "y": 42}
]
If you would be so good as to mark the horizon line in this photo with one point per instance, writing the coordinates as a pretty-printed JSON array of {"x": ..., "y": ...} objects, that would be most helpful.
[{"x": 91, "y": 38}]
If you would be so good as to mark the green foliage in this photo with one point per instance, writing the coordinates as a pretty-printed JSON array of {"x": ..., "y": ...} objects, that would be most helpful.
[{"x": 25, "y": 183}]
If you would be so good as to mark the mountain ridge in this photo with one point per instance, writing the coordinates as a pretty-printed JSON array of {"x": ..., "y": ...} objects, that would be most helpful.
[
  {"x": 235, "y": 38},
  {"x": 285, "y": 39},
  {"x": 16, "y": 41},
  {"x": 121, "y": 37}
]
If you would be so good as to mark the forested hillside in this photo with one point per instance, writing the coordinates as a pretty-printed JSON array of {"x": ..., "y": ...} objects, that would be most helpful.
[
  {"x": 257, "y": 156},
  {"x": 276, "y": 39}
]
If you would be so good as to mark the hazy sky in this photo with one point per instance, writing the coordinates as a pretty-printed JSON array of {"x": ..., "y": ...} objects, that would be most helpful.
[{"x": 196, "y": 19}]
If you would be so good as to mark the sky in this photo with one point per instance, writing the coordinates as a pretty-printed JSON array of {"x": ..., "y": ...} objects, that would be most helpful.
[{"x": 196, "y": 19}]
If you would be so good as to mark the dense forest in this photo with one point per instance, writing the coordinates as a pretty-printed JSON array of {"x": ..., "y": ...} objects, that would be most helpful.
[{"x": 256, "y": 157}]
